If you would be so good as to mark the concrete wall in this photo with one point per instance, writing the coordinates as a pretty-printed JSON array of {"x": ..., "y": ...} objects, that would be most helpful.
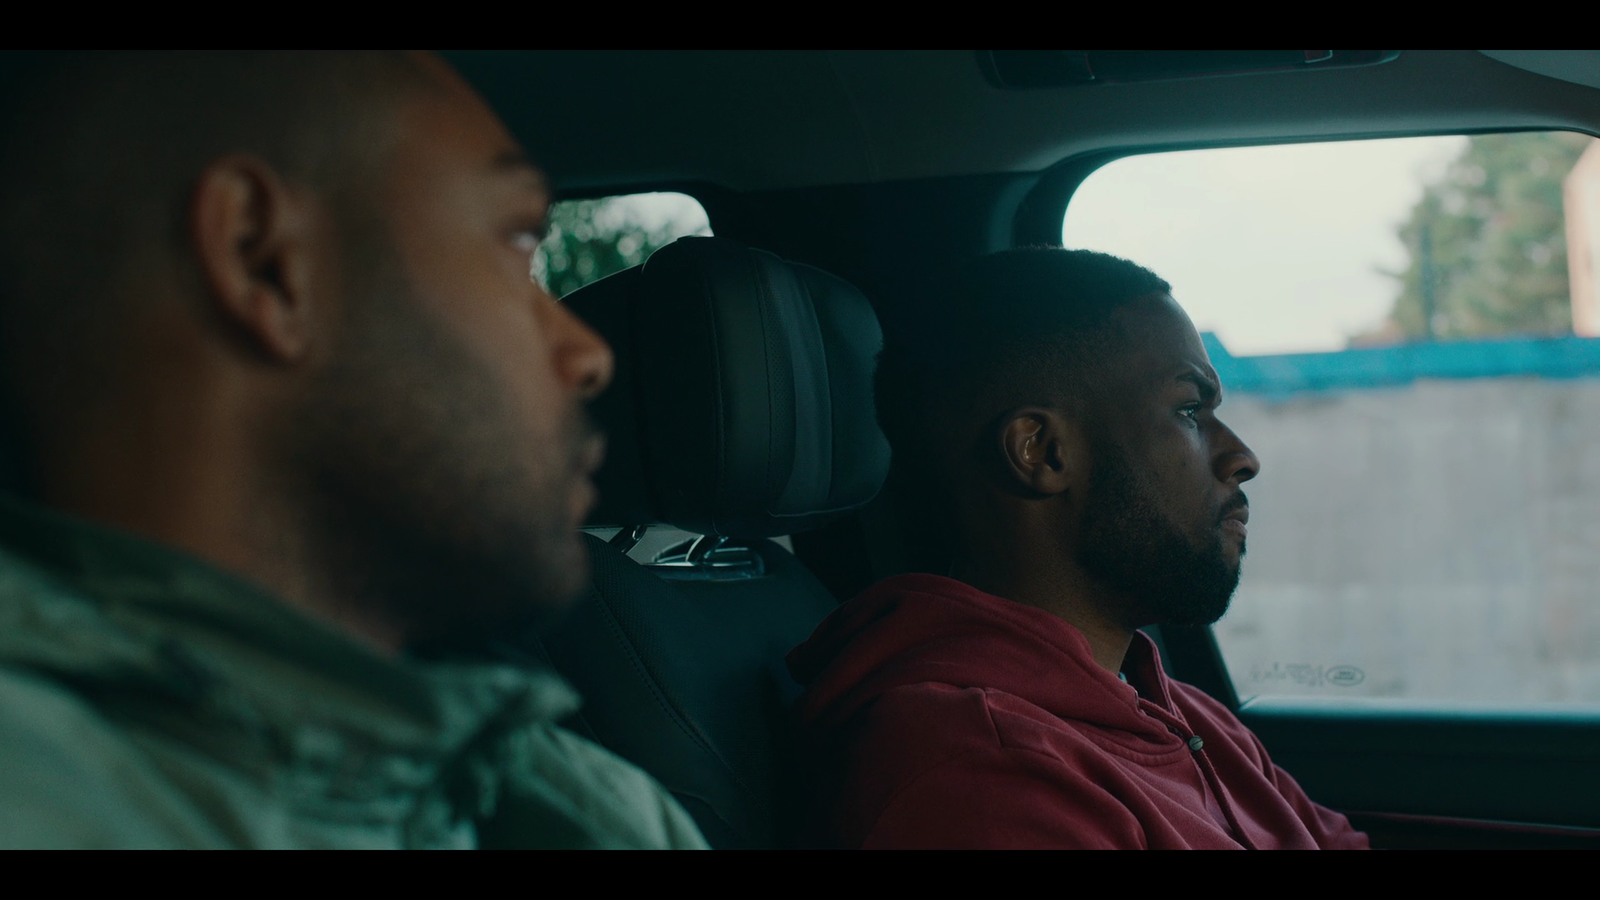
[{"x": 1435, "y": 540}]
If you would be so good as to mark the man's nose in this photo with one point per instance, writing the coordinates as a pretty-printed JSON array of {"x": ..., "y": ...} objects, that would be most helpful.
[
  {"x": 582, "y": 357},
  {"x": 1235, "y": 461}
]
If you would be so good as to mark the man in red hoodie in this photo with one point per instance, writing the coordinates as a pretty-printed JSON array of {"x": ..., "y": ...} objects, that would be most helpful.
[{"x": 1059, "y": 411}]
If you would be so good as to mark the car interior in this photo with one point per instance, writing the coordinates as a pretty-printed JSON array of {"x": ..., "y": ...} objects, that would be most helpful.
[{"x": 741, "y": 414}]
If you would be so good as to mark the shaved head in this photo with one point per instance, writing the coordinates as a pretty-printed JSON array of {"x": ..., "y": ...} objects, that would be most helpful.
[
  {"x": 275, "y": 309},
  {"x": 101, "y": 156}
]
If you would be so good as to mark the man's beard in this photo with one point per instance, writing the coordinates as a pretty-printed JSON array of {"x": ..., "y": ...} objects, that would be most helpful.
[
  {"x": 423, "y": 509},
  {"x": 1132, "y": 547}
]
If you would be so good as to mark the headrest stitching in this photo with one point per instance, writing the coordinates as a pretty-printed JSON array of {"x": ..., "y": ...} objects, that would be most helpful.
[
  {"x": 706, "y": 288},
  {"x": 827, "y": 378},
  {"x": 766, "y": 309}
]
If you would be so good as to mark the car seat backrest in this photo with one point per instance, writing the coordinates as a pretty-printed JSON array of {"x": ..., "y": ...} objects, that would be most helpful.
[
  {"x": 741, "y": 410},
  {"x": 742, "y": 403}
]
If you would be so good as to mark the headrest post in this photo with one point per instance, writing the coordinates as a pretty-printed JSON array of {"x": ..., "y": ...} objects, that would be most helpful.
[
  {"x": 625, "y": 539},
  {"x": 703, "y": 547}
]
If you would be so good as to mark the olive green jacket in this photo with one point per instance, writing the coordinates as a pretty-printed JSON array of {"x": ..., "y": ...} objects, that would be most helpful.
[{"x": 148, "y": 699}]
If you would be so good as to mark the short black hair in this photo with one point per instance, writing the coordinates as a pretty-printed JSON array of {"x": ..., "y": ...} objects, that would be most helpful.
[{"x": 962, "y": 355}]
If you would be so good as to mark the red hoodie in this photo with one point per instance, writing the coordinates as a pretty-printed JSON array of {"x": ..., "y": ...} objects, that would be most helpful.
[{"x": 936, "y": 715}]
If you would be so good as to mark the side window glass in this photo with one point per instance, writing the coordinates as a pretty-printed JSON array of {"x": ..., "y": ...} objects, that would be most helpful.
[
  {"x": 590, "y": 239},
  {"x": 1408, "y": 334}
]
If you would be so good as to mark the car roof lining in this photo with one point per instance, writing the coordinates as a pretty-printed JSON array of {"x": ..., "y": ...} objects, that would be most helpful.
[{"x": 777, "y": 120}]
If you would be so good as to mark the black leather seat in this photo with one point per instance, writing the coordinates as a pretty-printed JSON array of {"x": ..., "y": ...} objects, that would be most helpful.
[{"x": 741, "y": 410}]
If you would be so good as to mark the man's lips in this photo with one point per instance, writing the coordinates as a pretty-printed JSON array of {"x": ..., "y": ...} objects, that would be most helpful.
[
  {"x": 587, "y": 462},
  {"x": 1235, "y": 522},
  {"x": 592, "y": 456}
]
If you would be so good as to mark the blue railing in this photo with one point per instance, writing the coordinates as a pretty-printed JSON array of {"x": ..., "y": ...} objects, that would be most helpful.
[{"x": 1375, "y": 367}]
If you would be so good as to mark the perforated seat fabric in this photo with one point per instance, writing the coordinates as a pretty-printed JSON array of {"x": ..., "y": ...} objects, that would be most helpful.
[{"x": 742, "y": 406}]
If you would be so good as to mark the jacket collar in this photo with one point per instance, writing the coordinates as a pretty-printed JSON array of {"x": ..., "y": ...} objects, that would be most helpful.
[{"x": 121, "y": 617}]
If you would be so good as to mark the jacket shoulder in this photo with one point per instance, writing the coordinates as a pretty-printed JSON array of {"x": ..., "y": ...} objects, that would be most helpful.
[
  {"x": 566, "y": 792},
  {"x": 69, "y": 778}
]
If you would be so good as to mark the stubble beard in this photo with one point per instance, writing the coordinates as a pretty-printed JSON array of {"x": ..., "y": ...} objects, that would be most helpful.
[
  {"x": 1137, "y": 551},
  {"x": 418, "y": 504}
]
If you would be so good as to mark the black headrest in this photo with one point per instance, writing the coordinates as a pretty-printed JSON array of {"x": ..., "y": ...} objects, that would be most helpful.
[{"x": 742, "y": 402}]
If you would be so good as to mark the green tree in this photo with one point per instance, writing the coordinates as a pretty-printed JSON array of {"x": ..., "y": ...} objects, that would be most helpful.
[
  {"x": 590, "y": 239},
  {"x": 1488, "y": 244}
]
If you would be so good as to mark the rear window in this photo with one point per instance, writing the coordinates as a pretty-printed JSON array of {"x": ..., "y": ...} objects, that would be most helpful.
[
  {"x": 590, "y": 239},
  {"x": 1406, "y": 331}
]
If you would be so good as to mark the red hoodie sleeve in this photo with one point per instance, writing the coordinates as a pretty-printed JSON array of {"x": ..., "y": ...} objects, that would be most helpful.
[
  {"x": 1005, "y": 799},
  {"x": 1331, "y": 829},
  {"x": 927, "y": 769}
]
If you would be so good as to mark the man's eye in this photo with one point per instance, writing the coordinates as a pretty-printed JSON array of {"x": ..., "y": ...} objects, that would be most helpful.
[{"x": 1190, "y": 412}]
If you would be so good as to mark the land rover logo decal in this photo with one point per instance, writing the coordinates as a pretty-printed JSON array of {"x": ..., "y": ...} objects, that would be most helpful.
[
  {"x": 1345, "y": 676},
  {"x": 1306, "y": 675}
]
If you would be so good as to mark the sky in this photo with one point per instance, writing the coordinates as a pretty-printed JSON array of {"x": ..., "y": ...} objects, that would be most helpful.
[
  {"x": 1276, "y": 249},
  {"x": 652, "y": 211}
]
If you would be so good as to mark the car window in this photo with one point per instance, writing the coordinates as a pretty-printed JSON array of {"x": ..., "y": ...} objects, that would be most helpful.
[
  {"x": 1407, "y": 333},
  {"x": 590, "y": 239}
]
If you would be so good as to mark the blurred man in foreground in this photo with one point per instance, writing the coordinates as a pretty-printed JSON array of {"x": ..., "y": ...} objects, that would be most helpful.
[
  {"x": 1060, "y": 410},
  {"x": 285, "y": 407}
]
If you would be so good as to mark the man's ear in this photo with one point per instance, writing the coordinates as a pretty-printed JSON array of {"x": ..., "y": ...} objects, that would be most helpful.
[
  {"x": 256, "y": 237},
  {"x": 1043, "y": 450}
]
